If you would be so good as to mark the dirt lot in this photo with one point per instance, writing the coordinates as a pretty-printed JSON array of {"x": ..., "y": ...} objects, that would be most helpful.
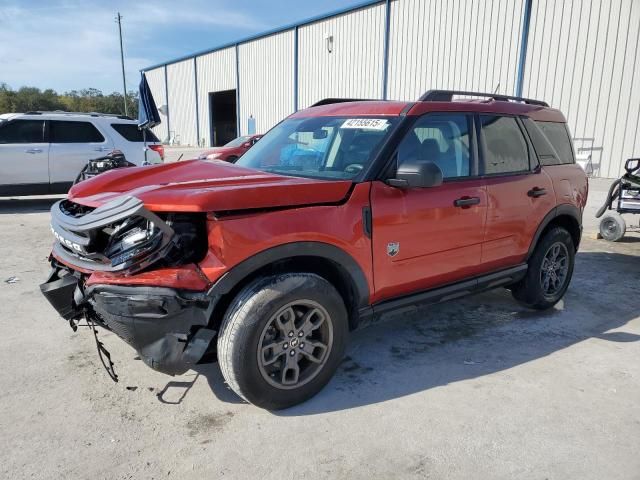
[{"x": 479, "y": 388}]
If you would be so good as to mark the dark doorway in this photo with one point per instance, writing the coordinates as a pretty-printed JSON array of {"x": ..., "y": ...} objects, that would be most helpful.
[{"x": 222, "y": 112}]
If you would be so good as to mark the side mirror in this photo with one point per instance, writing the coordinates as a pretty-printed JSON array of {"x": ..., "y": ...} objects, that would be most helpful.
[
  {"x": 320, "y": 134},
  {"x": 417, "y": 174}
]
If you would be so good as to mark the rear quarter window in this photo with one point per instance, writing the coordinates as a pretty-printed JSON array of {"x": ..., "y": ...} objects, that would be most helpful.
[
  {"x": 558, "y": 135},
  {"x": 131, "y": 133}
]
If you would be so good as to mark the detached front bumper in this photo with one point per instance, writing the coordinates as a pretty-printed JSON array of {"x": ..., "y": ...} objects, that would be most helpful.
[{"x": 167, "y": 327}]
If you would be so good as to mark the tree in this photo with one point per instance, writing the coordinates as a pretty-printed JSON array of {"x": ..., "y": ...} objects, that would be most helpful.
[{"x": 28, "y": 99}]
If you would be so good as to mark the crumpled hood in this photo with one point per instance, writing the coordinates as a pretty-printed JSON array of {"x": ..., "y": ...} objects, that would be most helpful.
[{"x": 206, "y": 186}]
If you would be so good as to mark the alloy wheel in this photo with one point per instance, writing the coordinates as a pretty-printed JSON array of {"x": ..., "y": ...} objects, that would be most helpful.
[
  {"x": 554, "y": 269},
  {"x": 295, "y": 344}
]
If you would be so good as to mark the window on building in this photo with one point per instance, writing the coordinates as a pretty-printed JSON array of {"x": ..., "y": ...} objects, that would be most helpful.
[
  {"x": 74, "y": 132},
  {"x": 506, "y": 149}
]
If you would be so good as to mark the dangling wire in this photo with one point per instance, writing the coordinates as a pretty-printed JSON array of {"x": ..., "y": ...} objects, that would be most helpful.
[{"x": 102, "y": 351}]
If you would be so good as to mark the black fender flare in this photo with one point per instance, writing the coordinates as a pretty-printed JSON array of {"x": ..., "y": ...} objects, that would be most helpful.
[
  {"x": 565, "y": 209},
  {"x": 326, "y": 251}
]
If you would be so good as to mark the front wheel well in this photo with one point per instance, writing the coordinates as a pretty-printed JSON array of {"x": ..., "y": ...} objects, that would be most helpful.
[{"x": 323, "y": 267}]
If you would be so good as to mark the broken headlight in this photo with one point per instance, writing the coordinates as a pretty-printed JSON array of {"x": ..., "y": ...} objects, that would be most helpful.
[
  {"x": 122, "y": 235},
  {"x": 133, "y": 238}
]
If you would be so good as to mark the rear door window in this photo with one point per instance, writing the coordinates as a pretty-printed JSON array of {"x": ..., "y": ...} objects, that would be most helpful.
[
  {"x": 505, "y": 148},
  {"x": 558, "y": 135},
  {"x": 22, "y": 131},
  {"x": 132, "y": 133},
  {"x": 74, "y": 132}
]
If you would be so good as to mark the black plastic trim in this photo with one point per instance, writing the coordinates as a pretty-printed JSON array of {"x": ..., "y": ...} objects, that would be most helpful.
[
  {"x": 449, "y": 292},
  {"x": 167, "y": 327},
  {"x": 330, "y": 101},
  {"x": 367, "y": 221},
  {"x": 558, "y": 211},
  {"x": 28, "y": 189},
  {"x": 447, "y": 96},
  {"x": 290, "y": 250}
]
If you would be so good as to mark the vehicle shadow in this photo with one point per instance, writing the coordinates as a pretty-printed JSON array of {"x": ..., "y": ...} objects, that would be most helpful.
[
  {"x": 211, "y": 371},
  {"x": 27, "y": 204},
  {"x": 477, "y": 336}
]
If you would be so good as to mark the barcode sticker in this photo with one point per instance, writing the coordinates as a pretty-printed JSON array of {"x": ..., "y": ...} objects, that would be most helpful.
[{"x": 366, "y": 123}]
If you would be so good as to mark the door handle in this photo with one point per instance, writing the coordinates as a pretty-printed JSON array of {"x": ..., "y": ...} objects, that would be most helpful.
[
  {"x": 466, "y": 202},
  {"x": 34, "y": 150},
  {"x": 101, "y": 149},
  {"x": 537, "y": 192}
]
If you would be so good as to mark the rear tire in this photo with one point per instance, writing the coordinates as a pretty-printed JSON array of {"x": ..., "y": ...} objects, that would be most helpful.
[
  {"x": 549, "y": 273},
  {"x": 612, "y": 227},
  {"x": 282, "y": 339}
]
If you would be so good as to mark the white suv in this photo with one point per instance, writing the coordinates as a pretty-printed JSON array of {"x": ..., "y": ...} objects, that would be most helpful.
[{"x": 43, "y": 152}]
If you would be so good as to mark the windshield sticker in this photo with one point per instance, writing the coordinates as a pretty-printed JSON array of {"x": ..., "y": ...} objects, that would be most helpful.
[{"x": 366, "y": 123}]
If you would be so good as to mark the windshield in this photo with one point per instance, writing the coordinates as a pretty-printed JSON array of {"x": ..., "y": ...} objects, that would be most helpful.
[
  {"x": 319, "y": 147},
  {"x": 236, "y": 142}
]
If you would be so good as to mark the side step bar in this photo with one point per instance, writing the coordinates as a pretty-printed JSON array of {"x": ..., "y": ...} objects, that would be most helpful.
[{"x": 456, "y": 290}]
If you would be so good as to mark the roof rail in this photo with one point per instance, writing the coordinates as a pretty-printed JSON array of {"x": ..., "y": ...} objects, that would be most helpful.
[
  {"x": 329, "y": 101},
  {"x": 447, "y": 96},
  {"x": 90, "y": 114}
]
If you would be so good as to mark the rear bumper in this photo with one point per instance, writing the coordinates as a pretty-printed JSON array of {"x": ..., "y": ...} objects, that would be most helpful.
[{"x": 167, "y": 327}]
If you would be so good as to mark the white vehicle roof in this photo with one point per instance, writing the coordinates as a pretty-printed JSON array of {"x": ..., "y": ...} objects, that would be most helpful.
[{"x": 60, "y": 115}]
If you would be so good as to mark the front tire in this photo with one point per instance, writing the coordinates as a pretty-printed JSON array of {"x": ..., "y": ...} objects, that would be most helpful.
[
  {"x": 282, "y": 339},
  {"x": 549, "y": 273}
]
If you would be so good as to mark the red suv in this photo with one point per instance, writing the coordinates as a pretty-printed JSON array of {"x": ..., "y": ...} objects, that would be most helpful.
[
  {"x": 231, "y": 151},
  {"x": 340, "y": 214}
]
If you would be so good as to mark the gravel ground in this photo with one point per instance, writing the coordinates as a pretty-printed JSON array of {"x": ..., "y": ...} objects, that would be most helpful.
[{"x": 477, "y": 388}]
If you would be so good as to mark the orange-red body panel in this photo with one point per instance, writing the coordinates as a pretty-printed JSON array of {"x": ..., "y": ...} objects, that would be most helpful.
[
  {"x": 437, "y": 242},
  {"x": 513, "y": 217},
  {"x": 206, "y": 186},
  {"x": 185, "y": 277},
  {"x": 234, "y": 239}
]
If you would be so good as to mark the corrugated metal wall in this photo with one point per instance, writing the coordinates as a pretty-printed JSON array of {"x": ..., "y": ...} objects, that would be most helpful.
[
  {"x": 583, "y": 59},
  {"x": 354, "y": 67},
  {"x": 155, "y": 79},
  {"x": 453, "y": 44},
  {"x": 216, "y": 72},
  {"x": 266, "y": 80},
  {"x": 182, "y": 102}
]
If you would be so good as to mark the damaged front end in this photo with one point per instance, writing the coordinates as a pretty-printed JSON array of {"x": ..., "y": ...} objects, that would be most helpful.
[{"x": 166, "y": 326}]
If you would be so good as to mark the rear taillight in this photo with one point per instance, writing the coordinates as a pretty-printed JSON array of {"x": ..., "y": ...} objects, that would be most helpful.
[{"x": 159, "y": 149}]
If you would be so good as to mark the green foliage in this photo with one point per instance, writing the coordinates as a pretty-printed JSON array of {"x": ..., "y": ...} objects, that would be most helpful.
[{"x": 27, "y": 99}]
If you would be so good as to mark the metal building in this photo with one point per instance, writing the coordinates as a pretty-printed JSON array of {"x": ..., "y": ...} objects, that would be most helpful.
[{"x": 581, "y": 56}]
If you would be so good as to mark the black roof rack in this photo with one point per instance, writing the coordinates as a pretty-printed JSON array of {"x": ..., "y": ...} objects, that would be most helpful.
[
  {"x": 447, "y": 96},
  {"x": 329, "y": 101}
]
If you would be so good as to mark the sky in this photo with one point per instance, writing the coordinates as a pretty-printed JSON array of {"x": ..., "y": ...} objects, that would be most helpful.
[{"x": 72, "y": 44}]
